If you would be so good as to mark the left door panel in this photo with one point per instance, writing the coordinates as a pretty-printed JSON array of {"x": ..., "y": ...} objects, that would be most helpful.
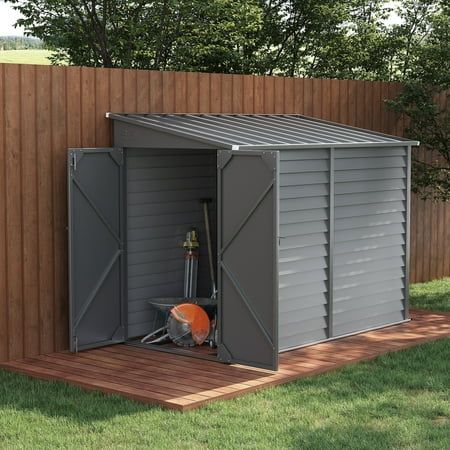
[{"x": 96, "y": 247}]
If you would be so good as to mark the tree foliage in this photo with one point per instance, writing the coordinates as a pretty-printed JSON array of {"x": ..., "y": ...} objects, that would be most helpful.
[
  {"x": 316, "y": 38},
  {"x": 19, "y": 43},
  {"x": 425, "y": 97}
]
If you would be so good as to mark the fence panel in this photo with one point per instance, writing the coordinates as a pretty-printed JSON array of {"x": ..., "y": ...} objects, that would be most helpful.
[{"x": 44, "y": 110}]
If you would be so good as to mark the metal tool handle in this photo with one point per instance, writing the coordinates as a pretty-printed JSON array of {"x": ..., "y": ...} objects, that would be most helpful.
[{"x": 204, "y": 202}]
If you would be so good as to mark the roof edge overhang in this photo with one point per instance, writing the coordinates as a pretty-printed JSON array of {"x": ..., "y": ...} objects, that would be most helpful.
[
  {"x": 405, "y": 143},
  {"x": 394, "y": 141}
]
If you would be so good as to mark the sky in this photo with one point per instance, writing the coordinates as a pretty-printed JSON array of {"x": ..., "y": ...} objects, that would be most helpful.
[{"x": 8, "y": 17}]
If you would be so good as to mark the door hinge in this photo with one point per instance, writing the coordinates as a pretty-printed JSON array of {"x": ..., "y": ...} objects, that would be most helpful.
[{"x": 73, "y": 161}]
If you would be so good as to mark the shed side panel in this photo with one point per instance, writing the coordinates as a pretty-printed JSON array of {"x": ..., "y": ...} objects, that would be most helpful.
[
  {"x": 370, "y": 238},
  {"x": 303, "y": 264},
  {"x": 163, "y": 192}
]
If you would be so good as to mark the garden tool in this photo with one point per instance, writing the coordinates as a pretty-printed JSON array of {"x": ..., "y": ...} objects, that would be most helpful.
[{"x": 191, "y": 247}]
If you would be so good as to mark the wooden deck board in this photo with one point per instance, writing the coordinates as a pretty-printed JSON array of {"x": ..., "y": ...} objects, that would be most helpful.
[{"x": 183, "y": 383}]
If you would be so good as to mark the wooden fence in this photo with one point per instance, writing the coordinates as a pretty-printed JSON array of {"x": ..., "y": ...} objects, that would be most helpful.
[{"x": 44, "y": 110}]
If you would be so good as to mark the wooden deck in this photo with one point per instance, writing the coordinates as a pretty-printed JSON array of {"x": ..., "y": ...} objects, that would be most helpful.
[{"x": 183, "y": 383}]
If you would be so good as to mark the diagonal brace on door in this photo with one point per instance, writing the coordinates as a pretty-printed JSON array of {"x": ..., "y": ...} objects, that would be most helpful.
[
  {"x": 96, "y": 210},
  {"x": 246, "y": 301},
  {"x": 97, "y": 287},
  {"x": 249, "y": 214}
]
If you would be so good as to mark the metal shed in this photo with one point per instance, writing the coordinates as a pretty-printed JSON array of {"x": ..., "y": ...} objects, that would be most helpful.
[{"x": 311, "y": 226}]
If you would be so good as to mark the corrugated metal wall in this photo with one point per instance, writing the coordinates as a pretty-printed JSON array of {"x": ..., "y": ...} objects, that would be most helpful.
[
  {"x": 368, "y": 252},
  {"x": 369, "y": 238},
  {"x": 44, "y": 110},
  {"x": 304, "y": 227},
  {"x": 163, "y": 193}
]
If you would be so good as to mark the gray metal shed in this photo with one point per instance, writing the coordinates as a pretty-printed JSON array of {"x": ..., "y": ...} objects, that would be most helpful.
[{"x": 312, "y": 228}]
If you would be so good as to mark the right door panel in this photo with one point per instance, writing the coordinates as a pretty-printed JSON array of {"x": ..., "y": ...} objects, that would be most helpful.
[{"x": 248, "y": 258}]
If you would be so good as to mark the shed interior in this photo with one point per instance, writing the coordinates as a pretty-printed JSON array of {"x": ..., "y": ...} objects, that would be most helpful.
[{"x": 163, "y": 193}]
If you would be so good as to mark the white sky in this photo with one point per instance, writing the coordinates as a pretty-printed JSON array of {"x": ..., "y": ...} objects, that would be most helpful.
[{"x": 8, "y": 17}]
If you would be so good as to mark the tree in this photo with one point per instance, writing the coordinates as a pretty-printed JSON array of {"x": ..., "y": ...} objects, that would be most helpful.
[
  {"x": 214, "y": 35},
  {"x": 425, "y": 99}
]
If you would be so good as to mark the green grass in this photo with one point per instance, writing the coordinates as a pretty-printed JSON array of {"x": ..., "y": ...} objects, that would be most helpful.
[
  {"x": 434, "y": 295},
  {"x": 400, "y": 400},
  {"x": 25, "y": 56}
]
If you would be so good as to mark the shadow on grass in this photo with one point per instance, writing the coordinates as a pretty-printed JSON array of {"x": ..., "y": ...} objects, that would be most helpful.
[
  {"x": 434, "y": 295},
  {"x": 354, "y": 403},
  {"x": 59, "y": 399},
  {"x": 409, "y": 387}
]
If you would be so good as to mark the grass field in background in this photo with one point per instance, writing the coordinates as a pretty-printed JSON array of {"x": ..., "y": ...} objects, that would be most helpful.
[
  {"x": 399, "y": 400},
  {"x": 25, "y": 56}
]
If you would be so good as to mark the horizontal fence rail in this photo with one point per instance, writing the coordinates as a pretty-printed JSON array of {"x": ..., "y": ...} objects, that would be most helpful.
[{"x": 44, "y": 110}]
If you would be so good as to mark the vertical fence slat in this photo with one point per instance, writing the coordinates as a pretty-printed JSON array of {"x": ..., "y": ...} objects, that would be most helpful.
[
  {"x": 376, "y": 105},
  {"x": 180, "y": 93},
  {"x": 143, "y": 91},
  {"x": 279, "y": 95},
  {"x": 101, "y": 107},
  {"x": 216, "y": 92},
  {"x": 269, "y": 95},
  {"x": 116, "y": 90},
  {"x": 226, "y": 94},
  {"x": 14, "y": 222},
  {"x": 352, "y": 102},
  {"x": 308, "y": 96},
  {"x": 29, "y": 211},
  {"x": 413, "y": 240},
  {"x": 4, "y": 329},
  {"x": 237, "y": 90},
  {"x": 73, "y": 94},
  {"x": 446, "y": 237},
  {"x": 334, "y": 100},
  {"x": 289, "y": 96},
  {"x": 88, "y": 131},
  {"x": 45, "y": 208},
  {"x": 440, "y": 233},
  {"x": 168, "y": 88},
  {"x": 156, "y": 92},
  {"x": 204, "y": 93},
  {"x": 317, "y": 98},
  {"x": 368, "y": 105},
  {"x": 130, "y": 91},
  {"x": 259, "y": 95},
  {"x": 192, "y": 92},
  {"x": 343, "y": 102},
  {"x": 247, "y": 94},
  {"x": 326, "y": 99},
  {"x": 360, "y": 104},
  {"x": 59, "y": 155},
  {"x": 426, "y": 250},
  {"x": 299, "y": 95}
]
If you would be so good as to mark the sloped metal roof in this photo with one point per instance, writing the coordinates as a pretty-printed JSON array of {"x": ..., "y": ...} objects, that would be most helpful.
[{"x": 258, "y": 131}]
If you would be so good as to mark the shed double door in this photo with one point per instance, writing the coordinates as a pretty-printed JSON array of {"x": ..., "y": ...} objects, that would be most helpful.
[{"x": 247, "y": 257}]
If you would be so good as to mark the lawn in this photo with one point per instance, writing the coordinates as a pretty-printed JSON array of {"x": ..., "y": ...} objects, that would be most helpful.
[
  {"x": 25, "y": 56},
  {"x": 400, "y": 400}
]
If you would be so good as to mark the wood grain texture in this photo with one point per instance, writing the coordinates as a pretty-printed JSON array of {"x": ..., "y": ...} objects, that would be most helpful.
[
  {"x": 184, "y": 383},
  {"x": 30, "y": 211},
  {"x": 45, "y": 208},
  {"x": 14, "y": 217},
  {"x": 44, "y": 110},
  {"x": 4, "y": 330}
]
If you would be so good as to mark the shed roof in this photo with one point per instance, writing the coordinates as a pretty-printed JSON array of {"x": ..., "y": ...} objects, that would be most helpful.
[{"x": 260, "y": 131}]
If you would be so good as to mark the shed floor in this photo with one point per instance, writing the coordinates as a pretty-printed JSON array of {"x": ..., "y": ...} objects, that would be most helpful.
[{"x": 183, "y": 383}]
